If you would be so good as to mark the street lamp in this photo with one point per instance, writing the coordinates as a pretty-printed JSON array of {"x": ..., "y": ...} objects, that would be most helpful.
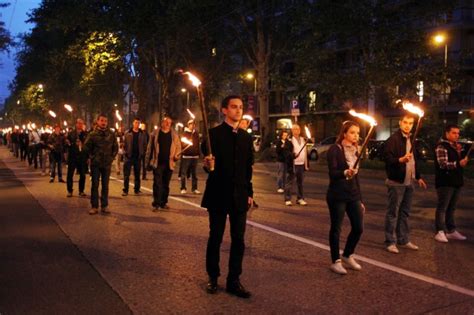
[
  {"x": 250, "y": 76},
  {"x": 440, "y": 39},
  {"x": 183, "y": 90}
]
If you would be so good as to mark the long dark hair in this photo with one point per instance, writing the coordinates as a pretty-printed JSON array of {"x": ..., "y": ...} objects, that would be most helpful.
[{"x": 345, "y": 127}]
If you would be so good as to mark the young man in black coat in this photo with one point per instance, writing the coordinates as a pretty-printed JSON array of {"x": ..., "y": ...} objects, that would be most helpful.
[{"x": 228, "y": 192}]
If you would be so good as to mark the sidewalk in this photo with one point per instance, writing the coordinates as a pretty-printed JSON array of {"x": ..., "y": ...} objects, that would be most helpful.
[{"x": 42, "y": 271}]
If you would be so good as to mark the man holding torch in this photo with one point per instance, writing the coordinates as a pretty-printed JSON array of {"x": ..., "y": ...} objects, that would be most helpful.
[
  {"x": 228, "y": 192},
  {"x": 402, "y": 170},
  {"x": 190, "y": 156}
]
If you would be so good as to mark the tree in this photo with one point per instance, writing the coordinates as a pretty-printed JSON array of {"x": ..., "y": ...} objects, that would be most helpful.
[{"x": 5, "y": 39}]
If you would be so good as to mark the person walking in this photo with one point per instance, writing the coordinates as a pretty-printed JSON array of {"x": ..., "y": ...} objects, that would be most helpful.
[
  {"x": 24, "y": 141},
  {"x": 449, "y": 180},
  {"x": 77, "y": 159},
  {"x": 228, "y": 192},
  {"x": 284, "y": 148},
  {"x": 343, "y": 196},
  {"x": 57, "y": 143},
  {"x": 402, "y": 171},
  {"x": 101, "y": 147},
  {"x": 300, "y": 165},
  {"x": 163, "y": 150},
  {"x": 33, "y": 147},
  {"x": 134, "y": 149},
  {"x": 190, "y": 157}
]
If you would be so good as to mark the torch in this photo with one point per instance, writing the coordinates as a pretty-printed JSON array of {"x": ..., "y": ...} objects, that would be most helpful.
[
  {"x": 191, "y": 114},
  {"x": 418, "y": 111},
  {"x": 187, "y": 142},
  {"x": 372, "y": 123},
  {"x": 308, "y": 136},
  {"x": 197, "y": 83}
]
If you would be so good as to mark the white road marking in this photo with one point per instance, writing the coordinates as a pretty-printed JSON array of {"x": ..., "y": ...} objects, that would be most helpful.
[{"x": 370, "y": 261}]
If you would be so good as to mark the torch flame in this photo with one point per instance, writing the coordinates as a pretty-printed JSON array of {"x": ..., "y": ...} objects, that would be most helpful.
[
  {"x": 413, "y": 109},
  {"x": 365, "y": 117},
  {"x": 194, "y": 80},
  {"x": 191, "y": 114},
  {"x": 117, "y": 125},
  {"x": 52, "y": 114},
  {"x": 247, "y": 117},
  {"x": 117, "y": 114},
  {"x": 24, "y": 127},
  {"x": 65, "y": 123},
  {"x": 186, "y": 141},
  {"x": 33, "y": 125},
  {"x": 308, "y": 133},
  {"x": 179, "y": 125}
]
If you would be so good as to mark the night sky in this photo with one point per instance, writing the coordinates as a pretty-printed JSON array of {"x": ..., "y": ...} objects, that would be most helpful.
[{"x": 14, "y": 17}]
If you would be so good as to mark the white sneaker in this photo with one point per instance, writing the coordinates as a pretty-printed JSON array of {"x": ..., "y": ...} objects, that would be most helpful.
[
  {"x": 393, "y": 249},
  {"x": 288, "y": 203},
  {"x": 441, "y": 237},
  {"x": 301, "y": 202},
  {"x": 183, "y": 191},
  {"x": 351, "y": 263},
  {"x": 456, "y": 236},
  {"x": 410, "y": 245},
  {"x": 280, "y": 191},
  {"x": 338, "y": 268},
  {"x": 197, "y": 192}
]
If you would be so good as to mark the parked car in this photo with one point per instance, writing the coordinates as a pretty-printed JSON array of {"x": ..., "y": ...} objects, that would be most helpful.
[{"x": 318, "y": 150}]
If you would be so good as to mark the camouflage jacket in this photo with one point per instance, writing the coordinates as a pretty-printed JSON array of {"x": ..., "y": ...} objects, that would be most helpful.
[{"x": 101, "y": 146}]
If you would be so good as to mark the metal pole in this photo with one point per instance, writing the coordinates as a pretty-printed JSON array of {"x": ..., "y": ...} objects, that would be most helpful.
[{"x": 445, "y": 82}]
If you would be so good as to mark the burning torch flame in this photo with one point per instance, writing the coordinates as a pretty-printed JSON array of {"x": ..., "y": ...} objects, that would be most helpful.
[
  {"x": 247, "y": 117},
  {"x": 24, "y": 127},
  {"x": 413, "y": 109},
  {"x": 365, "y": 117},
  {"x": 186, "y": 141},
  {"x": 179, "y": 125},
  {"x": 117, "y": 114},
  {"x": 194, "y": 80},
  {"x": 117, "y": 125},
  {"x": 52, "y": 114},
  {"x": 308, "y": 133},
  {"x": 191, "y": 114},
  {"x": 65, "y": 123},
  {"x": 33, "y": 125},
  {"x": 68, "y": 107}
]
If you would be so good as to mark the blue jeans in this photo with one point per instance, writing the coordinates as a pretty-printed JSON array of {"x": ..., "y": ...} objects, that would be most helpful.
[
  {"x": 396, "y": 219},
  {"x": 447, "y": 200}
]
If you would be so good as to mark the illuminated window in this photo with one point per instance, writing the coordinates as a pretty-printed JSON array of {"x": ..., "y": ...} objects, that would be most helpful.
[{"x": 312, "y": 101}]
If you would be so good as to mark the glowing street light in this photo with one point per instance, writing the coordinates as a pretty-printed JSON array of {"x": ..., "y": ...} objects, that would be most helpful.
[
  {"x": 251, "y": 76},
  {"x": 68, "y": 108},
  {"x": 440, "y": 39},
  {"x": 40, "y": 86}
]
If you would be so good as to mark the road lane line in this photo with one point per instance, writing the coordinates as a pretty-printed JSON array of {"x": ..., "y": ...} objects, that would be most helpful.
[{"x": 322, "y": 246}]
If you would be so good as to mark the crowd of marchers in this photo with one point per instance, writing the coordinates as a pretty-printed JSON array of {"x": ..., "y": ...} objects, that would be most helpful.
[{"x": 228, "y": 160}]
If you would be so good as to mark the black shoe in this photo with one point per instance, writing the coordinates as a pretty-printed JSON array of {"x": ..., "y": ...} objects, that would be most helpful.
[
  {"x": 211, "y": 287},
  {"x": 51, "y": 180},
  {"x": 61, "y": 180},
  {"x": 165, "y": 207},
  {"x": 125, "y": 193},
  {"x": 104, "y": 210},
  {"x": 82, "y": 194},
  {"x": 237, "y": 289},
  {"x": 138, "y": 192}
]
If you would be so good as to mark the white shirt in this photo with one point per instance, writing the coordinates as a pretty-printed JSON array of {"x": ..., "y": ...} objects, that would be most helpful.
[{"x": 299, "y": 143}]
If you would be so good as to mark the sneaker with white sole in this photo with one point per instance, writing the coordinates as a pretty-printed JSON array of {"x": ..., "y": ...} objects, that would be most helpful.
[
  {"x": 410, "y": 245},
  {"x": 196, "y": 192},
  {"x": 183, "y": 191},
  {"x": 280, "y": 191},
  {"x": 441, "y": 237},
  {"x": 288, "y": 203},
  {"x": 338, "y": 268},
  {"x": 392, "y": 249},
  {"x": 351, "y": 263},
  {"x": 301, "y": 202},
  {"x": 456, "y": 236}
]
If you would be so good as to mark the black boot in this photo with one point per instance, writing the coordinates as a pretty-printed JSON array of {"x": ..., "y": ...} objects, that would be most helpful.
[
  {"x": 212, "y": 286},
  {"x": 237, "y": 289}
]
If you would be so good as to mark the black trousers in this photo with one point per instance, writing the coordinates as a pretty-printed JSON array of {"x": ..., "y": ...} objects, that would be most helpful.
[
  {"x": 80, "y": 167},
  {"x": 33, "y": 155},
  {"x": 100, "y": 174},
  {"x": 161, "y": 185},
  {"x": 336, "y": 212},
  {"x": 217, "y": 222},
  {"x": 23, "y": 151},
  {"x": 127, "y": 169},
  {"x": 189, "y": 167},
  {"x": 55, "y": 162}
]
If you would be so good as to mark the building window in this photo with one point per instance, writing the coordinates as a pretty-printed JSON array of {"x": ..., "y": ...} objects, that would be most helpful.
[{"x": 312, "y": 101}]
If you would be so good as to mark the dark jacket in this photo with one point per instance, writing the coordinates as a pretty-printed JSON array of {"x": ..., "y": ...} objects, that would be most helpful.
[
  {"x": 230, "y": 184},
  {"x": 445, "y": 177},
  {"x": 75, "y": 153},
  {"x": 57, "y": 142},
  {"x": 395, "y": 148},
  {"x": 341, "y": 189},
  {"x": 101, "y": 146},
  {"x": 128, "y": 144},
  {"x": 192, "y": 151},
  {"x": 285, "y": 152}
]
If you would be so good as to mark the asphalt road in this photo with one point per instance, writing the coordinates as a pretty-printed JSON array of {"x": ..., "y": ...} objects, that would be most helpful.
[{"x": 155, "y": 261}]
